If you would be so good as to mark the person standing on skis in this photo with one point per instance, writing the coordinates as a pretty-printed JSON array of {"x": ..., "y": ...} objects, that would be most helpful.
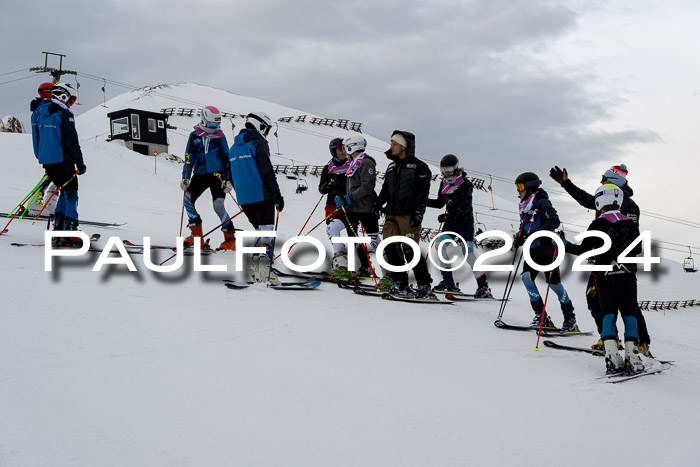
[
  {"x": 403, "y": 198},
  {"x": 455, "y": 192},
  {"x": 57, "y": 148},
  {"x": 357, "y": 204},
  {"x": 256, "y": 187},
  {"x": 207, "y": 167},
  {"x": 537, "y": 213},
  {"x": 332, "y": 184},
  {"x": 617, "y": 175},
  {"x": 617, "y": 288}
]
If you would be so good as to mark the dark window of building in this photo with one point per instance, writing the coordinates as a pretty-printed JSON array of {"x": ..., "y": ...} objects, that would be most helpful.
[{"x": 135, "y": 130}]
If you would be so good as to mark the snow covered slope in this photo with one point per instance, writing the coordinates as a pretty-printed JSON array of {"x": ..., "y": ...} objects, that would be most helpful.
[{"x": 118, "y": 368}]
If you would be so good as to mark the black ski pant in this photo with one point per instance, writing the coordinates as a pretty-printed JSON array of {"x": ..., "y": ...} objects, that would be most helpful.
[
  {"x": 618, "y": 294},
  {"x": 369, "y": 222},
  {"x": 597, "y": 312}
]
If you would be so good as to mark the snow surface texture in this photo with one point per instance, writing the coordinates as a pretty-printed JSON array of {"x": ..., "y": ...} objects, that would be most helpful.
[{"x": 145, "y": 369}]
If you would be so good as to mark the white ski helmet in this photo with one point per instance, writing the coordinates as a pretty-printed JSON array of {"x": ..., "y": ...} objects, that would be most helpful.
[
  {"x": 211, "y": 117},
  {"x": 258, "y": 121},
  {"x": 65, "y": 93},
  {"x": 354, "y": 143},
  {"x": 608, "y": 195}
]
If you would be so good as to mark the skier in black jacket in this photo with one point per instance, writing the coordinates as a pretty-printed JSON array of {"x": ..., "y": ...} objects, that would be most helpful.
[
  {"x": 617, "y": 175},
  {"x": 617, "y": 288},
  {"x": 455, "y": 192},
  {"x": 404, "y": 197}
]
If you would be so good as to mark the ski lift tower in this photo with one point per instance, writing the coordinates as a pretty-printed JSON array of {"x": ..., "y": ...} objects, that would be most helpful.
[{"x": 55, "y": 73}]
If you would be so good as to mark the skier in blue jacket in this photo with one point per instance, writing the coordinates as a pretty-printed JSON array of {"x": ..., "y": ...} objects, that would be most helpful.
[
  {"x": 256, "y": 186},
  {"x": 537, "y": 213},
  {"x": 207, "y": 167},
  {"x": 56, "y": 147}
]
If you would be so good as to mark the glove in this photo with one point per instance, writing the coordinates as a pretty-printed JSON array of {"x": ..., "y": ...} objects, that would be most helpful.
[
  {"x": 341, "y": 201},
  {"x": 226, "y": 186},
  {"x": 519, "y": 240},
  {"x": 442, "y": 218},
  {"x": 559, "y": 175},
  {"x": 377, "y": 210},
  {"x": 416, "y": 219},
  {"x": 279, "y": 201},
  {"x": 81, "y": 169},
  {"x": 184, "y": 183},
  {"x": 323, "y": 188}
]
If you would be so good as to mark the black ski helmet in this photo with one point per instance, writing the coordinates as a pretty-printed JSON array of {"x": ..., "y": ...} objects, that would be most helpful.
[
  {"x": 449, "y": 163},
  {"x": 336, "y": 143},
  {"x": 528, "y": 181}
]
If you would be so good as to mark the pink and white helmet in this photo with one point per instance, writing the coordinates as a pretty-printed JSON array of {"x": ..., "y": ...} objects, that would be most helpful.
[{"x": 211, "y": 117}]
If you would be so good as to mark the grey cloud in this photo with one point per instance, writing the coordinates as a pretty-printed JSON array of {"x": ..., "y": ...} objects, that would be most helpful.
[{"x": 467, "y": 77}]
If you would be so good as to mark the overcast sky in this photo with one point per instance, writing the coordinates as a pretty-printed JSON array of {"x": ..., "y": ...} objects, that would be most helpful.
[{"x": 508, "y": 86}]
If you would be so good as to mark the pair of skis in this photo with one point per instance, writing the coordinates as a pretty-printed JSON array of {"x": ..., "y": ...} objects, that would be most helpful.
[
  {"x": 309, "y": 284},
  {"x": 546, "y": 331}
]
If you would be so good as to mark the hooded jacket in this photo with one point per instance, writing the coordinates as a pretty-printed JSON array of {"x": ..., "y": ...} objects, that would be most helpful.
[
  {"x": 459, "y": 203},
  {"x": 54, "y": 136},
  {"x": 629, "y": 208},
  {"x": 406, "y": 184},
  {"x": 251, "y": 169}
]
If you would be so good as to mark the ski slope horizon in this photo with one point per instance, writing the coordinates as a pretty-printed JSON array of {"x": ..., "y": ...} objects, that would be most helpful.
[{"x": 120, "y": 368}]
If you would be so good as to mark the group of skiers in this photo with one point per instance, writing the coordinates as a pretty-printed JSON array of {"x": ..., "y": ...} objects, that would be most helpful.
[{"x": 349, "y": 180}]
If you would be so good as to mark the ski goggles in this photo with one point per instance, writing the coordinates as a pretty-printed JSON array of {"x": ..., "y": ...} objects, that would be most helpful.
[
  {"x": 448, "y": 169},
  {"x": 338, "y": 145},
  {"x": 520, "y": 186}
]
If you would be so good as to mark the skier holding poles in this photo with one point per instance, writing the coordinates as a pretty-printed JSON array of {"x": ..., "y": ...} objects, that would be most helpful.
[
  {"x": 536, "y": 210},
  {"x": 207, "y": 167}
]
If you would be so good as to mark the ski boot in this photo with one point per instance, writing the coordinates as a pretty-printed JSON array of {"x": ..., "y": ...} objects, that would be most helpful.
[
  {"x": 341, "y": 272},
  {"x": 262, "y": 270},
  {"x": 229, "y": 242},
  {"x": 400, "y": 288},
  {"x": 598, "y": 345},
  {"x": 546, "y": 324},
  {"x": 424, "y": 292},
  {"x": 71, "y": 242},
  {"x": 386, "y": 282},
  {"x": 570, "y": 325},
  {"x": 643, "y": 349},
  {"x": 58, "y": 222},
  {"x": 447, "y": 284},
  {"x": 363, "y": 272},
  {"x": 614, "y": 363},
  {"x": 483, "y": 290},
  {"x": 633, "y": 362},
  {"x": 196, "y": 229}
]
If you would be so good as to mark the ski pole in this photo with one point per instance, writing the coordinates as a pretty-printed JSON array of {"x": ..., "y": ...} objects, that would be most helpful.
[
  {"x": 544, "y": 307},
  {"x": 302, "y": 227},
  {"x": 506, "y": 293},
  {"x": 33, "y": 190},
  {"x": 509, "y": 284},
  {"x": 182, "y": 215},
  {"x": 437, "y": 234},
  {"x": 52, "y": 195},
  {"x": 269, "y": 271},
  {"x": 32, "y": 194},
  {"x": 364, "y": 248},
  {"x": 205, "y": 235},
  {"x": 20, "y": 206}
]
